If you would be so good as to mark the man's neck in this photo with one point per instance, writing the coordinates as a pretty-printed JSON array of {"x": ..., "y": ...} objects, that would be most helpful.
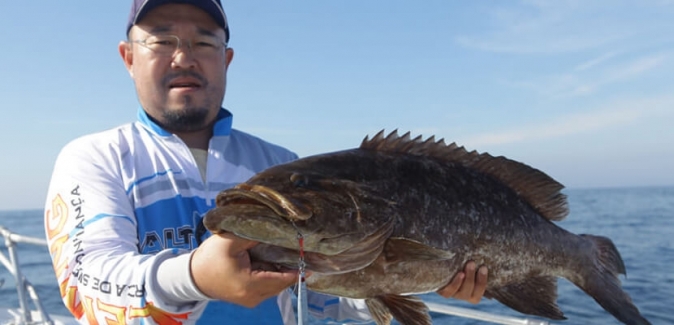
[{"x": 197, "y": 139}]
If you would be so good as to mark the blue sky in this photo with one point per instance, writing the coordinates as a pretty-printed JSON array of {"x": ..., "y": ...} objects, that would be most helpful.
[{"x": 583, "y": 90}]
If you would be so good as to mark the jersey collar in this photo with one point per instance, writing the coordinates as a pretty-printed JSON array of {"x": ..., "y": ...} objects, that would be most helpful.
[{"x": 222, "y": 127}]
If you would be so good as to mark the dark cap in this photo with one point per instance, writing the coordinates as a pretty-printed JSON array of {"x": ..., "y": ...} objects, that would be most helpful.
[{"x": 139, "y": 8}]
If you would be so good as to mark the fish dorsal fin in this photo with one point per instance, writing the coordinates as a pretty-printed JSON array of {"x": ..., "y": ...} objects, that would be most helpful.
[{"x": 541, "y": 191}]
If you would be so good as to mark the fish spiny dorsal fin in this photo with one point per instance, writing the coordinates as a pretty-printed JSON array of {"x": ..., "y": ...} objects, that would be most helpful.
[
  {"x": 400, "y": 142},
  {"x": 378, "y": 138},
  {"x": 537, "y": 188}
]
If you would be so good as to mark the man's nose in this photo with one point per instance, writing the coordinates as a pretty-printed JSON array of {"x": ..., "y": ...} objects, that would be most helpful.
[{"x": 183, "y": 56}]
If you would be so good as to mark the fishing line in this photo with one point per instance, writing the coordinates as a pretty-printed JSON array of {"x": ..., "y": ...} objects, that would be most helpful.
[{"x": 302, "y": 303}]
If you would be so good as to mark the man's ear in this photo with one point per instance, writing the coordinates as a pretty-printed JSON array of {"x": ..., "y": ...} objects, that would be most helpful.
[
  {"x": 229, "y": 55},
  {"x": 127, "y": 55}
]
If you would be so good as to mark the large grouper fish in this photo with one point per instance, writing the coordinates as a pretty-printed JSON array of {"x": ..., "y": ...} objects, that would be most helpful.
[{"x": 400, "y": 216}]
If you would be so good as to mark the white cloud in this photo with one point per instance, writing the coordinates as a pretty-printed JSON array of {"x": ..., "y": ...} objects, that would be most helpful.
[
  {"x": 616, "y": 114},
  {"x": 617, "y": 73},
  {"x": 594, "y": 62},
  {"x": 638, "y": 67},
  {"x": 564, "y": 26},
  {"x": 586, "y": 78}
]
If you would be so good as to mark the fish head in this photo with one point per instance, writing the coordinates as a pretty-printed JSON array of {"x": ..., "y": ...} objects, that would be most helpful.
[{"x": 331, "y": 212}]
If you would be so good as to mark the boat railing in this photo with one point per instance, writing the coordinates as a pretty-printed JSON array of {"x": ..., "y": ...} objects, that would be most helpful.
[
  {"x": 24, "y": 289},
  {"x": 481, "y": 315}
]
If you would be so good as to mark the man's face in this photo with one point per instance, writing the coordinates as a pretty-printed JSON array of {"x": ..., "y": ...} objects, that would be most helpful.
[{"x": 181, "y": 91}]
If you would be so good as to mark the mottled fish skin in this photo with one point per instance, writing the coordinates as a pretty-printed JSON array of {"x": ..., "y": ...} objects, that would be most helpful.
[{"x": 441, "y": 206}]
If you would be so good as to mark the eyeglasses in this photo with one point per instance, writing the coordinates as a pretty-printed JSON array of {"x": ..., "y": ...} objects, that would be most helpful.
[{"x": 166, "y": 45}]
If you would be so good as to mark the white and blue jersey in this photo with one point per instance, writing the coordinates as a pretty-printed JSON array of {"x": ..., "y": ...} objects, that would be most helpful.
[{"x": 124, "y": 211}]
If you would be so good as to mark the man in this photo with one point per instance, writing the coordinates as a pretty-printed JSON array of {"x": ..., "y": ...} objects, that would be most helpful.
[{"x": 124, "y": 208}]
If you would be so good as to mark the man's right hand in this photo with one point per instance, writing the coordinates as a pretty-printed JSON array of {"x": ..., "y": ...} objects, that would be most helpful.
[{"x": 221, "y": 268}]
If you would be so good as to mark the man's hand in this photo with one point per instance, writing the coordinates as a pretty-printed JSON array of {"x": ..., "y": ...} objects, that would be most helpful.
[
  {"x": 221, "y": 269},
  {"x": 468, "y": 285}
]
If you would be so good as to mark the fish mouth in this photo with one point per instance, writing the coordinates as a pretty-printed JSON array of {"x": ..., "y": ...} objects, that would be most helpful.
[
  {"x": 262, "y": 195},
  {"x": 264, "y": 215}
]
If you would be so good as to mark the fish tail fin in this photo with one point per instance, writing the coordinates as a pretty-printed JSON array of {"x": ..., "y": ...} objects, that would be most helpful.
[{"x": 601, "y": 282}]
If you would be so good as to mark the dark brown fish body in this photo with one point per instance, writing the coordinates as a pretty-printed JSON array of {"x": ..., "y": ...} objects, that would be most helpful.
[{"x": 398, "y": 217}]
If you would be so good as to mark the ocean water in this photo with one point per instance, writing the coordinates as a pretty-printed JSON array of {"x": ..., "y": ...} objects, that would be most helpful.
[{"x": 640, "y": 221}]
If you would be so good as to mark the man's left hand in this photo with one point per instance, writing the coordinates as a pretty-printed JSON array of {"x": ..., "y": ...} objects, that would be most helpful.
[{"x": 468, "y": 285}]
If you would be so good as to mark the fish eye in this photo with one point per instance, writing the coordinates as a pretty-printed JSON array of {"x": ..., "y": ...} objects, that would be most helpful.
[{"x": 299, "y": 180}]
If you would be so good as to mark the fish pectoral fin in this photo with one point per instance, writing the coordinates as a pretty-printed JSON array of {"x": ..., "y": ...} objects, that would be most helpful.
[
  {"x": 400, "y": 249},
  {"x": 405, "y": 309},
  {"x": 533, "y": 296}
]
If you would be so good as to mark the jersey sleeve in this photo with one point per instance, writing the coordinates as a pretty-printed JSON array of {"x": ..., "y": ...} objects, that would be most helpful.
[{"x": 93, "y": 241}]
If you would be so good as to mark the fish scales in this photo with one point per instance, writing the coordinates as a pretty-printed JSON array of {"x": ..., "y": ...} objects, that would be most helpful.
[
  {"x": 427, "y": 194},
  {"x": 401, "y": 216},
  {"x": 431, "y": 197}
]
